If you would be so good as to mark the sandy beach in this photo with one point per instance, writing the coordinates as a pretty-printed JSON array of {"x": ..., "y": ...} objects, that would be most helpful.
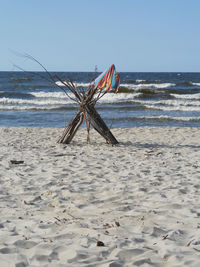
[{"x": 134, "y": 204}]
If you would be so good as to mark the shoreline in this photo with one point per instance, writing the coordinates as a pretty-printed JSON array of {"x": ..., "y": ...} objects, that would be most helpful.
[{"x": 139, "y": 198}]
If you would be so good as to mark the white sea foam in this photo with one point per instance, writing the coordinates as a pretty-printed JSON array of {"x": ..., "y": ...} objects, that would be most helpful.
[
  {"x": 116, "y": 98},
  {"x": 82, "y": 84},
  {"x": 171, "y": 105},
  {"x": 51, "y": 94},
  {"x": 169, "y": 118},
  {"x": 109, "y": 97},
  {"x": 188, "y": 96},
  {"x": 41, "y": 102},
  {"x": 140, "y": 81},
  {"x": 55, "y": 99},
  {"x": 132, "y": 86},
  {"x": 179, "y": 103},
  {"x": 173, "y": 108},
  {"x": 51, "y": 100},
  {"x": 59, "y": 83},
  {"x": 148, "y": 85},
  {"x": 198, "y": 84},
  {"x": 173, "y": 102},
  {"x": 29, "y": 107}
]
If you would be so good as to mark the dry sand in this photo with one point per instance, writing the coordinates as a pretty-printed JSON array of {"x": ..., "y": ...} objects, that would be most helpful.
[{"x": 140, "y": 199}]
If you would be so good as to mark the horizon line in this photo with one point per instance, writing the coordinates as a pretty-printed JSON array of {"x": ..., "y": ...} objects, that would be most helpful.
[{"x": 101, "y": 71}]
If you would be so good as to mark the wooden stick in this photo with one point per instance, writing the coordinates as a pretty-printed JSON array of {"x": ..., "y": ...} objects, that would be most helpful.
[
  {"x": 99, "y": 125},
  {"x": 72, "y": 128}
]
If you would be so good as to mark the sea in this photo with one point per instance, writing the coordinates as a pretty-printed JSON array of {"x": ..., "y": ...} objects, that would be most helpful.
[{"x": 33, "y": 99}]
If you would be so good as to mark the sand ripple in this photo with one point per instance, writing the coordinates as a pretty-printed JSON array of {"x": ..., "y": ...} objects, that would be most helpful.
[{"x": 140, "y": 198}]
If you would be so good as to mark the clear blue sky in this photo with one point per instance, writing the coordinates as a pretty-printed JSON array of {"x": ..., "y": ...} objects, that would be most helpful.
[{"x": 76, "y": 35}]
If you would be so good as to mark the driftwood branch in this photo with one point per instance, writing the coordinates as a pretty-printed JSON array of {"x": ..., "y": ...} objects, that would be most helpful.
[
  {"x": 100, "y": 126},
  {"x": 71, "y": 129}
]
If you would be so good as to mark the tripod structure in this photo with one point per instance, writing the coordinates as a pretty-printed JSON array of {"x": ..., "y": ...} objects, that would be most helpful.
[{"x": 108, "y": 80}]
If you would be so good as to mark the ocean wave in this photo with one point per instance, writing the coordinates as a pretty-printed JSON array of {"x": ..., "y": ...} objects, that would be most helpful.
[
  {"x": 184, "y": 83},
  {"x": 107, "y": 97},
  {"x": 171, "y": 102},
  {"x": 59, "y": 95},
  {"x": 116, "y": 98},
  {"x": 130, "y": 85},
  {"x": 198, "y": 84},
  {"x": 173, "y": 108},
  {"x": 148, "y": 85},
  {"x": 36, "y": 101},
  {"x": 21, "y": 79},
  {"x": 187, "y": 96},
  {"x": 141, "y": 81},
  {"x": 32, "y": 107},
  {"x": 166, "y": 117},
  {"x": 59, "y": 98},
  {"x": 187, "y": 85},
  {"x": 82, "y": 84},
  {"x": 142, "y": 85},
  {"x": 48, "y": 100},
  {"x": 15, "y": 94}
]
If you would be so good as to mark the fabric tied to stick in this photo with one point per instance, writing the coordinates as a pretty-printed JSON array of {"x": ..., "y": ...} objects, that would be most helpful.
[{"x": 109, "y": 79}]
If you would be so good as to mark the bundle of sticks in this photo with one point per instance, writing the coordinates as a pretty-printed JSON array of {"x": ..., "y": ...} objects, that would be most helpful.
[{"x": 87, "y": 99}]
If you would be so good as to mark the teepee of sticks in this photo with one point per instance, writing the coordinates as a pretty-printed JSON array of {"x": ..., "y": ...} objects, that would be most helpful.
[{"x": 87, "y": 99}]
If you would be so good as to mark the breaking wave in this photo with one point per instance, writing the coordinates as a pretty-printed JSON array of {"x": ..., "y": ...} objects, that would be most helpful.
[
  {"x": 55, "y": 100},
  {"x": 75, "y": 83},
  {"x": 148, "y": 85},
  {"x": 172, "y": 108},
  {"x": 132, "y": 86},
  {"x": 187, "y": 96},
  {"x": 166, "y": 98},
  {"x": 165, "y": 117}
]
